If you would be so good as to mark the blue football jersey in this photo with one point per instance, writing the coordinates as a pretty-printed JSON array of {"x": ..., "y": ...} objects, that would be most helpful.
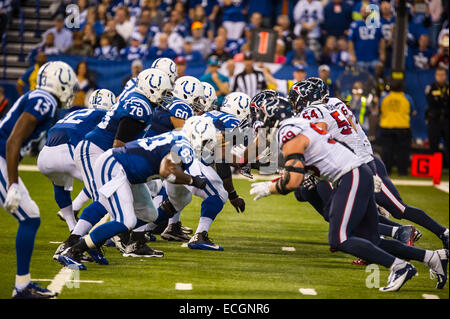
[
  {"x": 223, "y": 121},
  {"x": 129, "y": 87},
  {"x": 135, "y": 106},
  {"x": 161, "y": 117},
  {"x": 39, "y": 103},
  {"x": 74, "y": 127},
  {"x": 141, "y": 159}
]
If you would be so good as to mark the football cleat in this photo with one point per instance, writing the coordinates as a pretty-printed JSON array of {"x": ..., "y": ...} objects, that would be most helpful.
[
  {"x": 98, "y": 256},
  {"x": 59, "y": 250},
  {"x": 71, "y": 259},
  {"x": 33, "y": 291},
  {"x": 417, "y": 234},
  {"x": 399, "y": 277},
  {"x": 202, "y": 241},
  {"x": 121, "y": 241},
  {"x": 406, "y": 235},
  {"x": 173, "y": 232},
  {"x": 137, "y": 247},
  {"x": 187, "y": 230},
  {"x": 359, "y": 262},
  {"x": 149, "y": 236},
  {"x": 438, "y": 267}
]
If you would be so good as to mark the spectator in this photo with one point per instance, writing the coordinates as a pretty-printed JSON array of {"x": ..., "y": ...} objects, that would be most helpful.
[
  {"x": 324, "y": 74},
  {"x": 48, "y": 47},
  {"x": 249, "y": 81},
  {"x": 300, "y": 54},
  {"x": 133, "y": 6},
  {"x": 174, "y": 39},
  {"x": 27, "y": 82},
  {"x": 308, "y": 15},
  {"x": 124, "y": 25},
  {"x": 4, "y": 103},
  {"x": 86, "y": 83},
  {"x": 180, "y": 61},
  {"x": 387, "y": 21},
  {"x": 79, "y": 47},
  {"x": 89, "y": 36},
  {"x": 5, "y": 16},
  {"x": 210, "y": 7},
  {"x": 280, "y": 57},
  {"x": 145, "y": 32},
  {"x": 83, "y": 9},
  {"x": 208, "y": 26},
  {"x": 135, "y": 50},
  {"x": 366, "y": 43},
  {"x": 92, "y": 19},
  {"x": 337, "y": 18},
  {"x": 219, "y": 50},
  {"x": 152, "y": 14},
  {"x": 330, "y": 52},
  {"x": 232, "y": 46},
  {"x": 230, "y": 66},
  {"x": 436, "y": 115},
  {"x": 420, "y": 19},
  {"x": 116, "y": 39},
  {"x": 136, "y": 68},
  {"x": 216, "y": 79},
  {"x": 106, "y": 51},
  {"x": 395, "y": 131},
  {"x": 284, "y": 29},
  {"x": 162, "y": 49},
  {"x": 200, "y": 43},
  {"x": 419, "y": 58},
  {"x": 264, "y": 8},
  {"x": 178, "y": 22},
  {"x": 63, "y": 36},
  {"x": 440, "y": 59},
  {"x": 256, "y": 20},
  {"x": 344, "y": 57},
  {"x": 234, "y": 17},
  {"x": 283, "y": 86},
  {"x": 285, "y": 7},
  {"x": 189, "y": 53}
]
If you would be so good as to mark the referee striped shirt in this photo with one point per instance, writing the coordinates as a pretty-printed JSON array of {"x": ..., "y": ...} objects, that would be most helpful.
[{"x": 250, "y": 83}]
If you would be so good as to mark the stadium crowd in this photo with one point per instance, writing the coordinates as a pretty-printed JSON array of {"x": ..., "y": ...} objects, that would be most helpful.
[{"x": 328, "y": 33}]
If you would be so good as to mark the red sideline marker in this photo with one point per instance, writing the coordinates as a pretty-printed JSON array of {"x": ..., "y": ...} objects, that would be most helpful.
[{"x": 426, "y": 165}]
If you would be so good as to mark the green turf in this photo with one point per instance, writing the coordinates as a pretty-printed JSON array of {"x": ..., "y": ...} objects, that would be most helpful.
[{"x": 252, "y": 265}]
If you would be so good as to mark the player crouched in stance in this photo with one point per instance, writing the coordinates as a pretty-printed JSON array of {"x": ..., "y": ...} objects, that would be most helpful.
[
  {"x": 352, "y": 212},
  {"x": 167, "y": 155},
  {"x": 28, "y": 120},
  {"x": 56, "y": 159}
]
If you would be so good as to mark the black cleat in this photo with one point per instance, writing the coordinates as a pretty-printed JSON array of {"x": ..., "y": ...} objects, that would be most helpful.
[
  {"x": 33, "y": 291},
  {"x": 137, "y": 247},
  {"x": 121, "y": 241},
  {"x": 187, "y": 230},
  {"x": 173, "y": 232},
  {"x": 202, "y": 241}
]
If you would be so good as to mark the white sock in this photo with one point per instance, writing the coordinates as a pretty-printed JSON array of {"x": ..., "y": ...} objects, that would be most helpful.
[
  {"x": 398, "y": 263},
  {"x": 204, "y": 224},
  {"x": 394, "y": 230},
  {"x": 146, "y": 227},
  {"x": 446, "y": 232},
  {"x": 67, "y": 212},
  {"x": 22, "y": 281},
  {"x": 82, "y": 227},
  {"x": 175, "y": 218},
  {"x": 428, "y": 256},
  {"x": 79, "y": 201}
]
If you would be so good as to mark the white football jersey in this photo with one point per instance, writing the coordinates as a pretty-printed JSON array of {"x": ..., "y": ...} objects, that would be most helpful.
[
  {"x": 326, "y": 157},
  {"x": 339, "y": 127},
  {"x": 365, "y": 146}
]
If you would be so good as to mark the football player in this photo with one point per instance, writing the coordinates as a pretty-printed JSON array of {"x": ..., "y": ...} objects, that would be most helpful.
[
  {"x": 167, "y": 155},
  {"x": 56, "y": 158},
  {"x": 352, "y": 212},
  {"x": 28, "y": 120}
]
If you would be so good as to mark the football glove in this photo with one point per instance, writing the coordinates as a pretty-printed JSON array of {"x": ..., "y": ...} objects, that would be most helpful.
[
  {"x": 309, "y": 182},
  {"x": 377, "y": 182},
  {"x": 261, "y": 189},
  {"x": 13, "y": 198},
  {"x": 199, "y": 181},
  {"x": 237, "y": 202}
]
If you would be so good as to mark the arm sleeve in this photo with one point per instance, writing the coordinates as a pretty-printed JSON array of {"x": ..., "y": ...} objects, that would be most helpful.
[{"x": 129, "y": 129}]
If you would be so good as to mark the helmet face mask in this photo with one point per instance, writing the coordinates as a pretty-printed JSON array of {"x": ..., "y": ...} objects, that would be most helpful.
[
  {"x": 190, "y": 90},
  {"x": 237, "y": 104},
  {"x": 201, "y": 133}
]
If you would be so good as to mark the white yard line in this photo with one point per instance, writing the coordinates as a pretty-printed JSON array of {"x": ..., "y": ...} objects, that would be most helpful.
[
  {"x": 288, "y": 248},
  {"x": 74, "y": 280},
  {"x": 61, "y": 279},
  {"x": 426, "y": 296},
  {"x": 183, "y": 286}
]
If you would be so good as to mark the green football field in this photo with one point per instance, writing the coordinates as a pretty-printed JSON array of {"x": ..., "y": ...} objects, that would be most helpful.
[{"x": 253, "y": 264}]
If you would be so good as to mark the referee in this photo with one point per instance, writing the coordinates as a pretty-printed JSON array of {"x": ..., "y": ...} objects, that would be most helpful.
[{"x": 249, "y": 81}]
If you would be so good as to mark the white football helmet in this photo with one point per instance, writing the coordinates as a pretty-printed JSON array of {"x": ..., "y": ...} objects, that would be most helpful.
[
  {"x": 201, "y": 133},
  {"x": 58, "y": 78},
  {"x": 238, "y": 104},
  {"x": 154, "y": 84},
  {"x": 168, "y": 66},
  {"x": 210, "y": 96},
  {"x": 101, "y": 99},
  {"x": 190, "y": 90}
]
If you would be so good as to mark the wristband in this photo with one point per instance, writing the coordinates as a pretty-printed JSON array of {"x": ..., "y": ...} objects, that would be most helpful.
[{"x": 233, "y": 195}]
